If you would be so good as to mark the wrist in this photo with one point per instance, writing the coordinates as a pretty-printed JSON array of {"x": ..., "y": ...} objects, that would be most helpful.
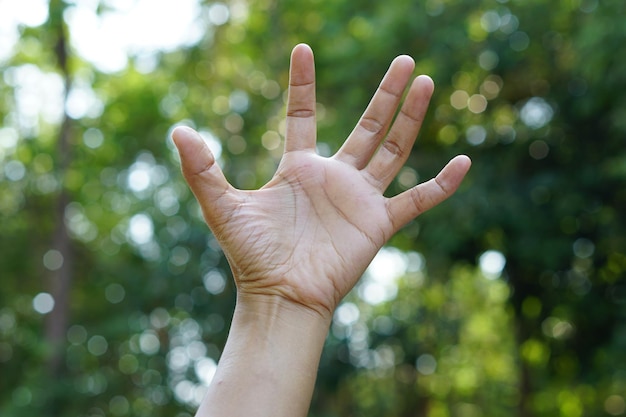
[
  {"x": 272, "y": 353},
  {"x": 276, "y": 312},
  {"x": 299, "y": 296}
]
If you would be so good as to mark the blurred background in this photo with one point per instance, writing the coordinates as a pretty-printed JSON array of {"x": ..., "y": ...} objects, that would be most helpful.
[{"x": 508, "y": 299}]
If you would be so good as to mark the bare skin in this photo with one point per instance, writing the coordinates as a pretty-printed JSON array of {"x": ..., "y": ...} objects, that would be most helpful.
[{"x": 300, "y": 243}]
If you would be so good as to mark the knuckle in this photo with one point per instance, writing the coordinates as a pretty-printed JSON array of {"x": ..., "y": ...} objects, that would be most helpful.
[
  {"x": 372, "y": 125},
  {"x": 394, "y": 148},
  {"x": 301, "y": 113},
  {"x": 413, "y": 118},
  {"x": 200, "y": 171},
  {"x": 442, "y": 186},
  {"x": 419, "y": 200}
]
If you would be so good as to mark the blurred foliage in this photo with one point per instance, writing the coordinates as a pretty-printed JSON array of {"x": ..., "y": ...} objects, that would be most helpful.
[{"x": 91, "y": 197}]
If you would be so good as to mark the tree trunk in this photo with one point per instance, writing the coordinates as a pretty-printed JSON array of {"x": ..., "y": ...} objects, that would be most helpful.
[{"x": 59, "y": 281}]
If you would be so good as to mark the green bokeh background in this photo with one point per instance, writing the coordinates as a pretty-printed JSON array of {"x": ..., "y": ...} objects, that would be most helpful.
[{"x": 94, "y": 212}]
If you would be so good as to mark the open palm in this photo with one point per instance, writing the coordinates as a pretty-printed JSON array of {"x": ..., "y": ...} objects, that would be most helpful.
[{"x": 310, "y": 232}]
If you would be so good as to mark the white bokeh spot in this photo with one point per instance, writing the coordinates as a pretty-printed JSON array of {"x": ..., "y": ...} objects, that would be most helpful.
[{"x": 492, "y": 263}]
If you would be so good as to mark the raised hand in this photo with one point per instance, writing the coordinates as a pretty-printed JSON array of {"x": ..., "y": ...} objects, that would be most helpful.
[{"x": 310, "y": 232}]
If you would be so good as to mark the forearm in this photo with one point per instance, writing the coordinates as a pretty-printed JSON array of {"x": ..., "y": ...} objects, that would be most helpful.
[{"x": 269, "y": 363}]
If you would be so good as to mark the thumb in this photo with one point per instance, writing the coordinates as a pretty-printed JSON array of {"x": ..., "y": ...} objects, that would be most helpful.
[{"x": 202, "y": 173}]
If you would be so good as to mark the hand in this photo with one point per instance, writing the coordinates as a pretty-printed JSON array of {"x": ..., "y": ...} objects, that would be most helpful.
[{"x": 311, "y": 231}]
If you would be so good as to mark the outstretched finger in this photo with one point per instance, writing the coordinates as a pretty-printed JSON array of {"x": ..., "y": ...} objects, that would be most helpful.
[
  {"x": 301, "y": 126},
  {"x": 372, "y": 127},
  {"x": 202, "y": 173},
  {"x": 406, "y": 206},
  {"x": 395, "y": 150}
]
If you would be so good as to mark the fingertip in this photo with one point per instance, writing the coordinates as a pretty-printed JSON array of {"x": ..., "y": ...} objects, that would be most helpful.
[
  {"x": 194, "y": 152},
  {"x": 302, "y": 68},
  {"x": 189, "y": 142},
  {"x": 464, "y": 162},
  {"x": 302, "y": 48},
  {"x": 454, "y": 172},
  {"x": 405, "y": 59},
  {"x": 426, "y": 83},
  {"x": 403, "y": 62},
  {"x": 302, "y": 45},
  {"x": 184, "y": 134}
]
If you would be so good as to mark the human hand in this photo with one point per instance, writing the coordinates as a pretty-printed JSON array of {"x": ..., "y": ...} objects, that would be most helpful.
[{"x": 308, "y": 235}]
